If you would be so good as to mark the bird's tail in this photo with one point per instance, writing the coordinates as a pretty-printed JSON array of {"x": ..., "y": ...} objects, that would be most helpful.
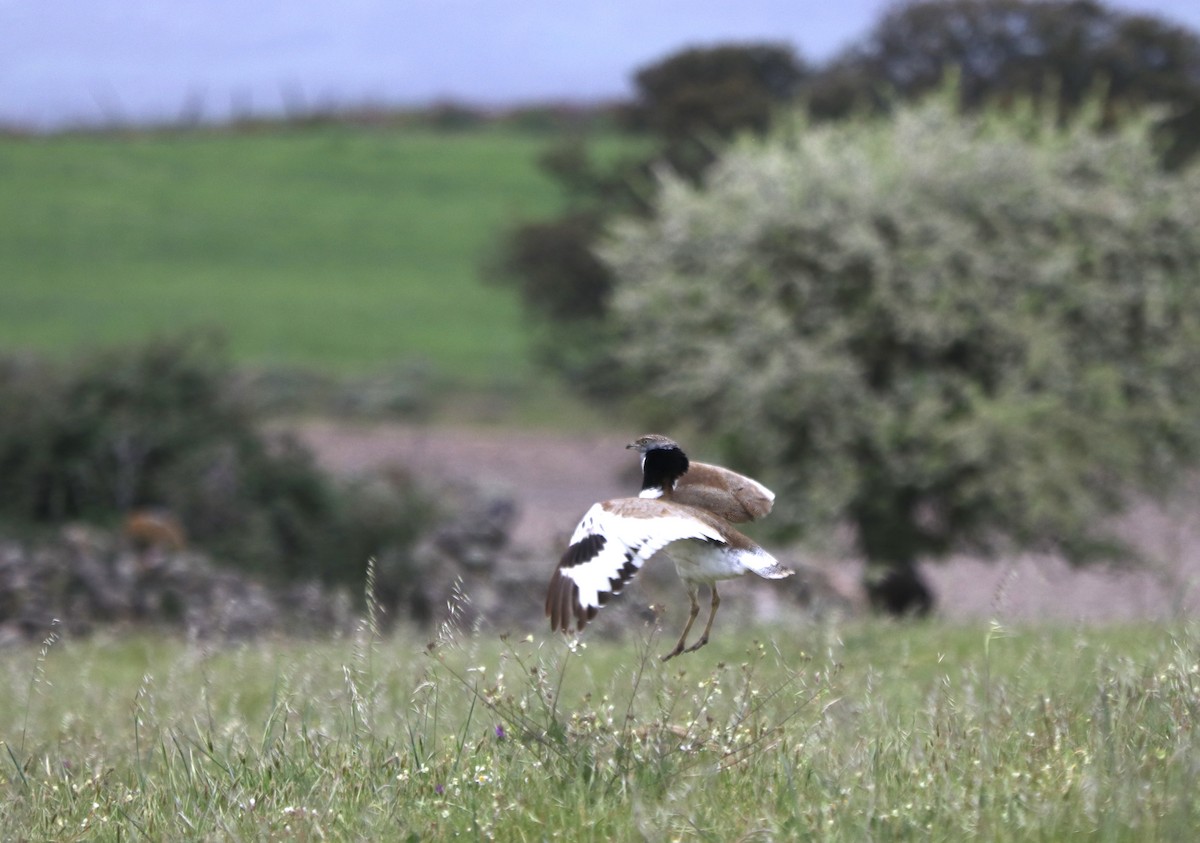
[{"x": 766, "y": 565}]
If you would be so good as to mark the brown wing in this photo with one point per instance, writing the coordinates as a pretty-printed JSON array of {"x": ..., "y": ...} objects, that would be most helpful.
[{"x": 734, "y": 497}]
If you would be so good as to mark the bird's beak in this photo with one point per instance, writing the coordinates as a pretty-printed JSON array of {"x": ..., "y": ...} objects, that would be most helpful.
[{"x": 630, "y": 446}]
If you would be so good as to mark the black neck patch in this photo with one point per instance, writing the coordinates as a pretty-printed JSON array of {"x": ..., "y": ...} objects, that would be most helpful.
[{"x": 661, "y": 467}]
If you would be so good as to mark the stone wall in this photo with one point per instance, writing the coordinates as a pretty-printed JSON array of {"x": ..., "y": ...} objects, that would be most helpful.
[
  {"x": 465, "y": 572},
  {"x": 86, "y": 577}
]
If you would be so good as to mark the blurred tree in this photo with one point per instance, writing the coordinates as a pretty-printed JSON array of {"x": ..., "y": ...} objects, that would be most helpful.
[
  {"x": 689, "y": 103},
  {"x": 696, "y": 99},
  {"x": 564, "y": 286},
  {"x": 955, "y": 334},
  {"x": 1065, "y": 50},
  {"x": 161, "y": 425}
]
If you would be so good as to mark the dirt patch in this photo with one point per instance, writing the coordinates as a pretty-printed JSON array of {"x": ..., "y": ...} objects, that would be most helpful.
[{"x": 555, "y": 477}]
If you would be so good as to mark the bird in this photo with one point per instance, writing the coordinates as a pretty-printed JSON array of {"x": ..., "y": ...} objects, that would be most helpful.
[
  {"x": 615, "y": 538},
  {"x": 734, "y": 497}
]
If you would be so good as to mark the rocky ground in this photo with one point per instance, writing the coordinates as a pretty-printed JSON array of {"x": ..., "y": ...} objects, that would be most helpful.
[{"x": 555, "y": 477}]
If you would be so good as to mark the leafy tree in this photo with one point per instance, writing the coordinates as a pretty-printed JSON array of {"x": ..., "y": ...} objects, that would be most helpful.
[
  {"x": 953, "y": 333},
  {"x": 1062, "y": 50},
  {"x": 694, "y": 102},
  {"x": 699, "y": 97},
  {"x": 688, "y": 103},
  {"x": 565, "y": 288}
]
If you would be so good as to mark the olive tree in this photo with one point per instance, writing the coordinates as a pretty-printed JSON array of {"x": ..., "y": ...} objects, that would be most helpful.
[{"x": 949, "y": 333}]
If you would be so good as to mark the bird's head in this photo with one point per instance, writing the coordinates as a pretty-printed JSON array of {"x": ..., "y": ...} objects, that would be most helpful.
[
  {"x": 651, "y": 442},
  {"x": 663, "y": 462}
]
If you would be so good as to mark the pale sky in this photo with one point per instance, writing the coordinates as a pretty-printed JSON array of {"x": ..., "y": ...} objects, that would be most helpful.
[{"x": 65, "y": 62}]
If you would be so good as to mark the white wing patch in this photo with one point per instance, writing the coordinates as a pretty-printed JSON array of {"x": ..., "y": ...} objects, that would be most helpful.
[{"x": 608, "y": 548}]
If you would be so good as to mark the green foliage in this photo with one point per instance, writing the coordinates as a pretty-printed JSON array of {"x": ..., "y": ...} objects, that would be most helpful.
[
  {"x": 956, "y": 333},
  {"x": 848, "y": 734},
  {"x": 692, "y": 103},
  {"x": 543, "y": 252},
  {"x": 688, "y": 104},
  {"x": 159, "y": 425},
  {"x": 97, "y": 439},
  {"x": 699, "y": 97},
  {"x": 1062, "y": 52}
]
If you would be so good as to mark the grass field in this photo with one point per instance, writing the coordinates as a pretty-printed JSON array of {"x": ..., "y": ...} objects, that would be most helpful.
[
  {"x": 340, "y": 248},
  {"x": 868, "y": 731}
]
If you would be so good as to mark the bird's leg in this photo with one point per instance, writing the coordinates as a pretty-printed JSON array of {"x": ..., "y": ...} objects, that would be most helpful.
[
  {"x": 688, "y": 627},
  {"x": 716, "y": 601}
]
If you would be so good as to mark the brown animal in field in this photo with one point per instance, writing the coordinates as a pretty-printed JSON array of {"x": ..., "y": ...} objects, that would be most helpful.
[{"x": 147, "y": 530}]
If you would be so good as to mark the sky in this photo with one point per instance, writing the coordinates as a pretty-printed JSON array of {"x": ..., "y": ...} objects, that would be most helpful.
[{"x": 79, "y": 62}]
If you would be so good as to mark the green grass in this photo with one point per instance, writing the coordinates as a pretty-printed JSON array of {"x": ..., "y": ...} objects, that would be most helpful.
[
  {"x": 869, "y": 731},
  {"x": 345, "y": 249}
]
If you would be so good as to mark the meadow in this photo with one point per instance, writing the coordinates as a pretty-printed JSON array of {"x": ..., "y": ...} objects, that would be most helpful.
[
  {"x": 341, "y": 248},
  {"x": 353, "y": 249},
  {"x": 862, "y": 730}
]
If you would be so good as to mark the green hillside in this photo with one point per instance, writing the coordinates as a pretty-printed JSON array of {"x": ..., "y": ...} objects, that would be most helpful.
[{"x": 337, "y": 248}]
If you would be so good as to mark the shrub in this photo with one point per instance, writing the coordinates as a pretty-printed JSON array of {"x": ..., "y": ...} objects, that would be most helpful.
[
  {"x": 161, "y": 425},
  {"x": 956, "y": 333}
]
